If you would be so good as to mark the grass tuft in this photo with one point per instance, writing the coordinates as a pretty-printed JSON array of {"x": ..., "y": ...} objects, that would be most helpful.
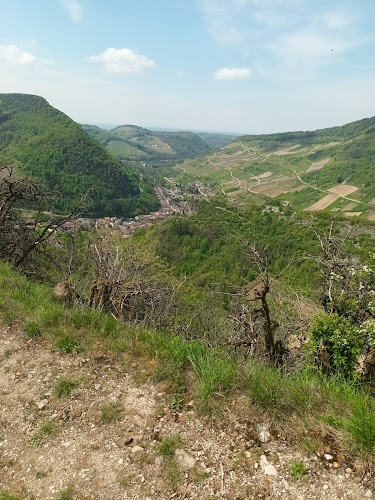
[
  {"x": 167, "y": 449},
  {"x": 68, "y": 343},
  {"x": 67, "y": 493},
  {"x": 47, "y": 429},
  {"x": 361, "y": 427},
  {"x": 169, "y": 445},
  {"x": 111, "y": 412},
  {"x": 215, "y": 375},
  {"x": 65, "y": 386}
]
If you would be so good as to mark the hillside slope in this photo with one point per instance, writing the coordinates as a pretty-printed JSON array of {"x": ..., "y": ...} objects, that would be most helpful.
[
  {"x": 62, "y": 447},
  {"x": 329, "y": 168},
  {"x": 50, "y": 147},
  {"x": 129, "y": 142}
]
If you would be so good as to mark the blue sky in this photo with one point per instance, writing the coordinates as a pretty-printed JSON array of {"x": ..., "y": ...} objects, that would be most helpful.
[{"x": 242, "y": 66}]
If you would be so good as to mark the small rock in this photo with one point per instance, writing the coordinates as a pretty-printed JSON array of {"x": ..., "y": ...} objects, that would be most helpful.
[
  {"x": 263, "y": 433},
  {"x": 325, "y": 486},
  {"x": 137, "y": 449},
  {"x": 185, "y": 461},
  {"x": 348, "y": 470},
  {"x": 42, "y": 404},
  {"x": 336, "y": 465},
  {"x": 97, "y": 386},
  {"x": 285, "y": 484},
  {"x": 368, "y": 494},
  {"x": 267, "y": 468},
  {"x": 327, "y": 456}
]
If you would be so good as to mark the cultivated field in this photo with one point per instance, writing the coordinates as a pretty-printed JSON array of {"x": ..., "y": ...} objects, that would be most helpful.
[
  {"x": 239, "y": 170},
  {"x": 324, "y": 203},
  {"x": 318, "y": 165},
  {"x": 343, "y": 189}
]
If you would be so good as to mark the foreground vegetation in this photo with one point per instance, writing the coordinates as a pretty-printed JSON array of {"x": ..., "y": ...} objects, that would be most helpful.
[{"x": 306, "y": 407}]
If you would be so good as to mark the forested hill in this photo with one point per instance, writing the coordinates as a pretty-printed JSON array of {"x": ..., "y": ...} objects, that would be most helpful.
[
  {"x": 47, "y": 145},
  {"x": 129, "y": 142},
  {"x": 321, "y": 136}
]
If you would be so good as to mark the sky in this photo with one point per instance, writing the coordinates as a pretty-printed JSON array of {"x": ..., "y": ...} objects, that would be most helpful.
[{"x": 240, "y": 66}]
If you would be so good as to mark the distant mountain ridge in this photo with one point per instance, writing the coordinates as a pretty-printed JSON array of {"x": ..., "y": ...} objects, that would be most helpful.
[
  {"x": 47, "y": 145},
  {"x": 130, "y": 142}
]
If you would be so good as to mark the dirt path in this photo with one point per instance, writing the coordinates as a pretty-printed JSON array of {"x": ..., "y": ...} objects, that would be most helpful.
[{"x": 48, "y": 442}]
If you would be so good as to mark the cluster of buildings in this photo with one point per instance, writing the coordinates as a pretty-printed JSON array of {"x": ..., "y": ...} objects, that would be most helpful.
[{"x": 171, "y": 203}]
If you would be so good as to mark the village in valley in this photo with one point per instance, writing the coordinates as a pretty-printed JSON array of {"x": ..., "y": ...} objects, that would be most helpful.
[{"x": 173, "y": 200}]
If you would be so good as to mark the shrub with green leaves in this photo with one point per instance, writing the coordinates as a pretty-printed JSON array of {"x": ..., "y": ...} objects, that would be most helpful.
[{"x": 342, "y": 341}]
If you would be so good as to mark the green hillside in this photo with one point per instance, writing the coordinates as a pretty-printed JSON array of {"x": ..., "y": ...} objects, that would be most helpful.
[
  {"x": 327, "y": 169},
  {"x": 47, "y": 145},
  {"x": 129, "y": 142}
]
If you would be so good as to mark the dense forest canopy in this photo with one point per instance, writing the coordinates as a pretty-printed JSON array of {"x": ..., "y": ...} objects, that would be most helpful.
[{"x": 50, "y": 147}]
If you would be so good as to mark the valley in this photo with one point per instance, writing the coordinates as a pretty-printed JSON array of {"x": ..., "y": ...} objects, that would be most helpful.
[{"x": 203, "y": 325}]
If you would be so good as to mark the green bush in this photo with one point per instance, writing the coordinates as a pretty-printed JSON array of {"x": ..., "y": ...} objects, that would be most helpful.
[{"x": 342, "y": 342}]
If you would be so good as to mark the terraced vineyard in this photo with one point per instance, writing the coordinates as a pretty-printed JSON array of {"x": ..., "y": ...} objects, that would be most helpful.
[{"x": 330, "y": 169}]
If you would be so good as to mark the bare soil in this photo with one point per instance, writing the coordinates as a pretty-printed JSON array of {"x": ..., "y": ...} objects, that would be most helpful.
[
  {"x": 352, "y": 214},
  {"x": 325, "y": 202},
  {"x": 318, "y": 165},
  {"x": 113, "y": 460},
  {"x": 343, "y": 189}
]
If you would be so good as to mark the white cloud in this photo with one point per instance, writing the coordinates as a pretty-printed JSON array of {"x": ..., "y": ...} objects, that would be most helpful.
[
  {"x": 122, "y": 61},
  {"x": 232, "y": 74},
  {"x": 12, "y": 54},
  {"x": 74, "y": 9}
]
